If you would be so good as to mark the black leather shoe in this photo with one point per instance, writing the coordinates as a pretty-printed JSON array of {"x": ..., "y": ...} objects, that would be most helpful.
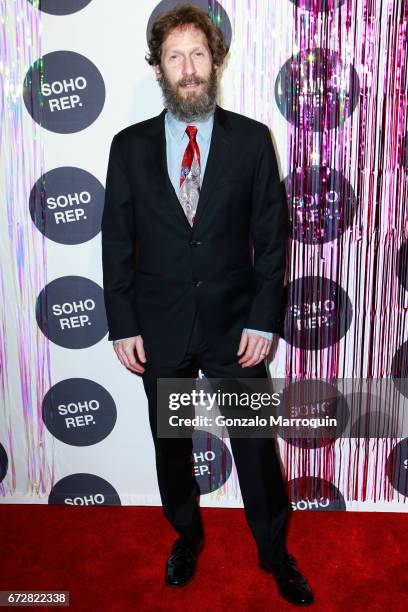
[
  {"x": 181, "y": 564},
  {"x": 292, "y": 585}
]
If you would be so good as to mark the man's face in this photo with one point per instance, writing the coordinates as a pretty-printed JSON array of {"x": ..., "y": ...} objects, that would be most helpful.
[{"x": 186, "y": 74}]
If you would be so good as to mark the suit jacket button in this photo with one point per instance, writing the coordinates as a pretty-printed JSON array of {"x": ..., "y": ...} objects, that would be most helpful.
[
  {"x": 197, "y": 283},
  {"x": 195, "y": 243}
]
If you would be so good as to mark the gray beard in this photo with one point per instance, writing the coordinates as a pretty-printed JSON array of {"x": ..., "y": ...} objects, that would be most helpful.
[{"x": 194, "y": 109}]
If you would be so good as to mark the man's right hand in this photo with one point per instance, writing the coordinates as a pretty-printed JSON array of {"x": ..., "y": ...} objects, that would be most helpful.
[{"x": 130, "y": 353}]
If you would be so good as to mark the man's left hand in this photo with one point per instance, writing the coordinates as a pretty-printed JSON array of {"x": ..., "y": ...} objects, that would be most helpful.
[{"x": 253, "y": 349}]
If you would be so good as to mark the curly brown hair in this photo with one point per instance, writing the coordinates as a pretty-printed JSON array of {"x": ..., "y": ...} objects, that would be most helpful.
[{"x": 180, "y": 16}]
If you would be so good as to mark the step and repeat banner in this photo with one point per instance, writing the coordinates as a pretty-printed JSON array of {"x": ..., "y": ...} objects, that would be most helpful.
[{"x": 329, "y": 78}]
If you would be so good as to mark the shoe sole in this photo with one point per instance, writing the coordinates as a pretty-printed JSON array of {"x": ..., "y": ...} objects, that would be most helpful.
[
  {"x": 295, "y": 603},
  {"x": 179, "y": 586}
]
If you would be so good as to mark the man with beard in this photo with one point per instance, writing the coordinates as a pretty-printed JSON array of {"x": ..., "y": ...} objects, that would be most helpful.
[{"x": 189, "y": 195}]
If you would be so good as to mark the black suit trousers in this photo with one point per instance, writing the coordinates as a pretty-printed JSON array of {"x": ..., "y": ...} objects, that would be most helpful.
[{"x": 261, "y": 482}]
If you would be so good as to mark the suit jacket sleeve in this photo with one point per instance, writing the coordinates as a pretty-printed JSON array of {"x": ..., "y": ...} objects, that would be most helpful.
[
  {"x": 269, "y": 232},
  {"x": 118, "y": 250}
]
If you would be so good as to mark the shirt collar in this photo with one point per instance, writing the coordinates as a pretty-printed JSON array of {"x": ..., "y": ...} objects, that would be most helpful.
[{"x": 177, "y": 128}]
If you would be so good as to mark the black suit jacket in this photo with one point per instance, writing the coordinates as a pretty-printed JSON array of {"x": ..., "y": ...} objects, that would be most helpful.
[{"x": 231, "y": 264}]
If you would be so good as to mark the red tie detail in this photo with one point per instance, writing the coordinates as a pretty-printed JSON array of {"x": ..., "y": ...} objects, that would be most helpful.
[{"x": 188, "y": 156}]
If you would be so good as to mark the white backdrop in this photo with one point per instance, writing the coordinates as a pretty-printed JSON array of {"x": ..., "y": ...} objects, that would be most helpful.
[{"x": 54, "y": 456}]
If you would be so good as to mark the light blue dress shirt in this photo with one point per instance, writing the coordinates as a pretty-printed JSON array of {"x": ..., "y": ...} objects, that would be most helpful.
[{"x": 176, "y": 143}]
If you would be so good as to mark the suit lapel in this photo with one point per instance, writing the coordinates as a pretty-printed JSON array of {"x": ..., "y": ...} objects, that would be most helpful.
[
  {"x": 159, "y": 160},
  {"x": 216, "y": 163}
]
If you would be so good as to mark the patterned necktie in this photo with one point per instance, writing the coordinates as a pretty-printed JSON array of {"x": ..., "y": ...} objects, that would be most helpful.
[{"x": 190, "y": 176}]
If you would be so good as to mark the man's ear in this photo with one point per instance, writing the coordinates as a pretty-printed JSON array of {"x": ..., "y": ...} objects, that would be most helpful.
[{"x": 157, "y": 71}]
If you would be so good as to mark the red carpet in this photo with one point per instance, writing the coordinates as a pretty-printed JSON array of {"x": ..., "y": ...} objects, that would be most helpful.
[{"x": 104, "y": 557}]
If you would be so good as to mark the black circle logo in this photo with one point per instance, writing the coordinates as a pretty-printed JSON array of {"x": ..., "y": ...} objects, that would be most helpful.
[
  {"x": 405, "y": 151},
  {"x": 322, "y": 204},
  {"x": 3, "y": 463},
  {"x": 318, "y": 314},
  {"x": 66, "y": 205},
  {"x": 397, "y": 467},
  {"x": 310, "y": 493},
  {"x": 84, "y": 490},
  {"x": 216, "y": 12},
  {"x": 318, "y": 6},
  {"x": 316, "y": 90},
  {"x": 373, "y": 416},
  {"x": 399, "y": 369},
  {"x": 70, "y": 311},
  {"x": 402, "y": 265},
  {"x": 212, "y": 461},
  {"x": 79, "y": 412},
  {"x": 56, "y": 7},
  {"x": 318, "y": 411},
  {"x": 64, "y": 92}
]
